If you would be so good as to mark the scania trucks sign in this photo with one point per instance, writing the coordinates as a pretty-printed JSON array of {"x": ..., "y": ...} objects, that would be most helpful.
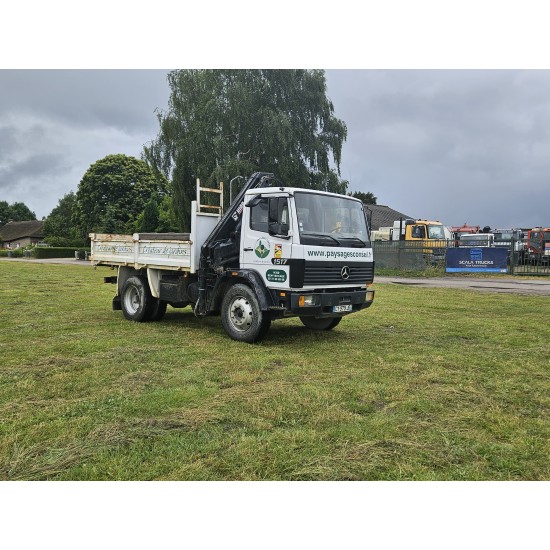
[{"x": 493, "y": 260}]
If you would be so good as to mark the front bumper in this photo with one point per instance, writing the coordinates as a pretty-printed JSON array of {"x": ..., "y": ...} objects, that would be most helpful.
[{"x": 324, "y": 303}]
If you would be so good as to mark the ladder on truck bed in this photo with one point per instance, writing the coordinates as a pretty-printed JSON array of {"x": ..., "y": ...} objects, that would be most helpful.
[{"x": 201, "y": 207}]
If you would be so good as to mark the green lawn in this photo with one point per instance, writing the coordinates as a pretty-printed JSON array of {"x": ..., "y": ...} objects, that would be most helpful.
[{"x": 427, "y": 384}]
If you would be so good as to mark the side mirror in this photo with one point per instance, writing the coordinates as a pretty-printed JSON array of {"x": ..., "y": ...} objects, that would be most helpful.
[{"x": 254, "y": 201}]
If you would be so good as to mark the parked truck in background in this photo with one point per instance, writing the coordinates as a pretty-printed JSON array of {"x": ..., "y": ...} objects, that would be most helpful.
[
  {"x": 458, "y": 230},
  {"x": 276, "y": 252},
  {"x": 381, "y": 234},
  {"x": 511, "y": 237},
  {"x": 477, "y": 240},
  {"x": 418, "y": 230},
  {"x": 431, "y": 236},
  {"x": 537, "y": 246}
]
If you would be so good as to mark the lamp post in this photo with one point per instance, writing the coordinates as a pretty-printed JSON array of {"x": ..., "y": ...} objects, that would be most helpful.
[{"x": 231, "y": 188}]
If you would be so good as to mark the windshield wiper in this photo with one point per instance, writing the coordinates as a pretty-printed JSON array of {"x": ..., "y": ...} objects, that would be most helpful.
[
  {"x": 355, "y": 239},
  {"x": 307, "y": 234}
]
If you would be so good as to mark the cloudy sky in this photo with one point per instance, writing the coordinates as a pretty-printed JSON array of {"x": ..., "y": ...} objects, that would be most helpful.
[{"x": 453, "y": 145}]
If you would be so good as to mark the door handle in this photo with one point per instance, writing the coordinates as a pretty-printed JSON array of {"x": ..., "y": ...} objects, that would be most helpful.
[{"x": 248, "y": 249}]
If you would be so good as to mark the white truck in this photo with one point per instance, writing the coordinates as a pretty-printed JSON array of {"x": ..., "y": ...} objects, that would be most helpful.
[
  {"x": 277, "y": 252},
  {"x": 483, "y": 240}
]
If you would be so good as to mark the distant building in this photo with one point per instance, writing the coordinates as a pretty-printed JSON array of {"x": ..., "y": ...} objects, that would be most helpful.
[
  {"x": 383, "y": 216},
  {"x": 20, "y": 234}
]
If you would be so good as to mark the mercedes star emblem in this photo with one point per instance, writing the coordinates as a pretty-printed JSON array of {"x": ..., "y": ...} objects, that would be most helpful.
[{"x": 345, "y": 272}]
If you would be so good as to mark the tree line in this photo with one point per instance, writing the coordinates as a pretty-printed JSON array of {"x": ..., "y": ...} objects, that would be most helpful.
[
  {"x": 15, "y": 212},
  {"x": 219, "y": 125}
]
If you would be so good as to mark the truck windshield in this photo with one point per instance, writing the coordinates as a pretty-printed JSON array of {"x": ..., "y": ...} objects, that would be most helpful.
[
  {"x": 325, "y": 220},
  {"x": 475, "y": 240},
  {"x": 436, "y": 232},
  {"x": 503, "y": 236}
]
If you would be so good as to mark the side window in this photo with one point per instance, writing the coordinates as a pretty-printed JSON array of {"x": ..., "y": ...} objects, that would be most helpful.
[
  {"x": 259, "y": 216},
  {"x": 417, "y": 232},
  {"x": 278, "y": 210},
  {"x": 278, "y": 216}
]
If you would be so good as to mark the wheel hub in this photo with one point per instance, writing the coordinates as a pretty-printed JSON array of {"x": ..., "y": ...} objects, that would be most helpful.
[
  {"x": 132, "y": 300},
  {"x": 240, "y": 314}
]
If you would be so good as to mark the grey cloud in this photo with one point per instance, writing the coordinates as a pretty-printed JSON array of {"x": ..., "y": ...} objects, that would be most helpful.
[
  {"x": 456, "y": 145},
  {"x": 89, "y": 98},
  {"x": 34, "y": 167},
  {"x": 55, "y": 123},
  {"x": 15, "y": 139}
]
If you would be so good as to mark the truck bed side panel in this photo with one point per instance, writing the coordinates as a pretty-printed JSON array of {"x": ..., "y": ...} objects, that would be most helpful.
[{"x": 133, "y": 250}]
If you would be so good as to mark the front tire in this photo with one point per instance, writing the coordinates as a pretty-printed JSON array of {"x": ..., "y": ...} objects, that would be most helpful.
[
  {"x": 325, "y": 323},
  {"x": 242, "y": 318}
]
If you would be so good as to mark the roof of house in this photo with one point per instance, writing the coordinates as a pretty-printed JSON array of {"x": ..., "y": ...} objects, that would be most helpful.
[
  {"x": 19, "y": 230},
  {"x": 383, "y": 216}
]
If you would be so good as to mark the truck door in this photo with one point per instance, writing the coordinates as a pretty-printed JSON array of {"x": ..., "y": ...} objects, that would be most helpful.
[{"x": 265, "y": 238}]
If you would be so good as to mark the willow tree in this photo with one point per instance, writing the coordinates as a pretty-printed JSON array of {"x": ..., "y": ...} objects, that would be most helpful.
[{"x": 221, "y": 124}]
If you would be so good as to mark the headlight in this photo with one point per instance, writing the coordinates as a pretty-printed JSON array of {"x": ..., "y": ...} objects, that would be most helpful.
[{"x": 306, "y": 300}]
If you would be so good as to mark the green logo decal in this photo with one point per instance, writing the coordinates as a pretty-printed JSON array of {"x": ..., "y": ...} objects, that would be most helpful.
[
  {"x": 262, "y": 248},
  {"x": 275, "y": 275}
]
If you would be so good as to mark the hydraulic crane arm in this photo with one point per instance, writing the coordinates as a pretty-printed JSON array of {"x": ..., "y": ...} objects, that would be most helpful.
[{"x": 221, "y": 248}]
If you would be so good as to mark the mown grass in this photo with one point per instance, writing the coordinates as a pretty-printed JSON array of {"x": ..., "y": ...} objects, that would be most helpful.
[{"x": 428, "y": 384}]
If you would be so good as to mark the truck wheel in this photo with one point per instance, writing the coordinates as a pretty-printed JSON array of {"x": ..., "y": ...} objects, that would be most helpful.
[
  {"x": 136, "y": 299},
  {"x": 158, "y": 309},
  {"x": 242, "y": 318},
  {"x": 326, "y": 323}
]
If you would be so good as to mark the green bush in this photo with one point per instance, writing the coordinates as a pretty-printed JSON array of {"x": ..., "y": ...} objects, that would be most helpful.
[
  {"x": 55, "y": 252},
  {"x": 15, "y": 252}
]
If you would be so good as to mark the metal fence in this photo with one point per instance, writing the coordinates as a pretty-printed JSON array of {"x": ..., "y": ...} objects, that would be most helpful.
[
  {"x": 418, "y": 255},
  {"x": 525, "y": 262},
  {"x": 410, "y": 255}
]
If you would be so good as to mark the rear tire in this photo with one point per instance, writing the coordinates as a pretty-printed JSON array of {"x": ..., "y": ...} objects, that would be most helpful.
[
  {"x": 136, "y": 299},
  {"x": 242, "y": 318},
  {"x": 325, "y": 323},
  {"x": 158, "y": 309}
]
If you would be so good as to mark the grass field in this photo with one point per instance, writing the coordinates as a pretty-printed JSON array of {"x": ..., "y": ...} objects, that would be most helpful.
[{"x": 428, "y": 384}]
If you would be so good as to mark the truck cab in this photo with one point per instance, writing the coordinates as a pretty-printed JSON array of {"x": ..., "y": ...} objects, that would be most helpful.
[
  {"x": 423, "y": 232},
  {"x": 311, "y": 248},
  {"x": 464, "y": 229},
  {"x": 418, "y": 230},
  {"x": 538, "y": 245}
]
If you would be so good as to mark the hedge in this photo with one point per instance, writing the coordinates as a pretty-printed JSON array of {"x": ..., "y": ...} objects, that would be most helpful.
[
  {"x": 40, "y": 252},
  {"x": 13, "y": 252}
]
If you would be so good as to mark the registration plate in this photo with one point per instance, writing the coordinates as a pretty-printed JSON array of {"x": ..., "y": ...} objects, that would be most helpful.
[{"x": 340, "y": 309}]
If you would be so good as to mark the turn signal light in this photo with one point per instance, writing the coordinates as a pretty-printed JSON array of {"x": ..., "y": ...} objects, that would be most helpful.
[{"x": 370, "y": 294}]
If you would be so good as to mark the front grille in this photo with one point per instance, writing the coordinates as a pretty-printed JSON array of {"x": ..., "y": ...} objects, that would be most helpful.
[{"x": 324, "y": 273}]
